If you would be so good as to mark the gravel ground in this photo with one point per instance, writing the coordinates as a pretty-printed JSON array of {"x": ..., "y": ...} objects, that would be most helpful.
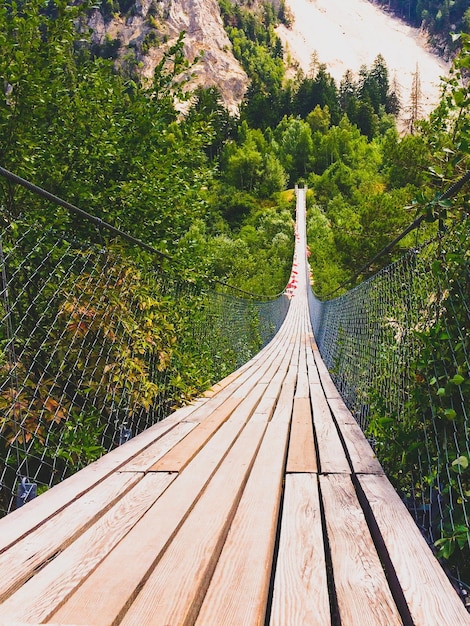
[{"x": 346, "y": 34}]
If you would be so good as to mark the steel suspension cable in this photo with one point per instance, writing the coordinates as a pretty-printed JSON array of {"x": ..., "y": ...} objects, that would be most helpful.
[{"x": 452, "y": 191}]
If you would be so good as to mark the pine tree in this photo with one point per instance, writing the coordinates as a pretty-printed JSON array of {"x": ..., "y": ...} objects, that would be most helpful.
[{"x": 414, "y": 110}]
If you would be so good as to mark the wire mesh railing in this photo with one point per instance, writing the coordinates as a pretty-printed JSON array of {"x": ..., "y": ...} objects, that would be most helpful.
[
  {"x": 398, "y": 349},
  {"x": 98, "y": 342}
]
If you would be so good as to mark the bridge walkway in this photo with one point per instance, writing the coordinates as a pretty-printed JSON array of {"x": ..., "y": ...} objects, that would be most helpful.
[{"x": 260, "y": 503}]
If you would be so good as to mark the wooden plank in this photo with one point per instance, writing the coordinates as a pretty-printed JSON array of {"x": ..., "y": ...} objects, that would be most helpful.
[
  {"x": 301, "y": 456},
  {"x": 300, "y": 596},
  {"x": 269, "y": 371},
  {"x": 362, "y": 591},
  {"x": 245, "y": 389},
  {"x": 302, "y": 388},
  {"x": 362, "y": 457},
  {"x": 332, "y": 456},
  {"x": 284, "y": 405},
  {"x": 278, "y": 399},
  {"x": 274, "y": 406},
  {"x": 249, "y": 374},
  {"x": 279, "y": 363},
  {"x": 141, "y": 462},
  {"x": 275, "y": 376},
  {"x": 104, "y": 594},
  {"x": 23, "y": 521},
  {"x": 246, "y": 381},
  {"x": 313, "y": 343},
  {"x": 265, "y": 409},
  {"x": 228, "y": 380},
  {"x": 327, "y": 384},
  {"x": 260, "y": 362},
  {"x": 274, "y": 385},
  {"x": 209, "y": 521},
  {"x": 341, "y": 412},
  {"x": 249, "y": 405},
  {"x": 27, "y": 555},
  {"x": 43, "y": 594},
  {"x": 182, "y": 453},
  {"x": 313, "y": 375},
  {"x": 431, "y": 599},
  {"x": 255, "y": 370},
  {"x": 239, "y": 588}
]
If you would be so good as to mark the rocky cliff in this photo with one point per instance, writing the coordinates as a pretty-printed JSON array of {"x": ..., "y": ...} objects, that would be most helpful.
[{"x": 149, "y": 27}]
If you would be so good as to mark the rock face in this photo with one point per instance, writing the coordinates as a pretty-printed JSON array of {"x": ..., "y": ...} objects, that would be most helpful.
[{"x": 152, "y": 26}]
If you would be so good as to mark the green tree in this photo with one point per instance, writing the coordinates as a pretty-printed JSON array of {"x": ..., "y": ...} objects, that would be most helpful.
[
  {"x": 73, "y": 125},
  {"x": 295, "y": 147},
  {"x": 207, "y": 106},
  {"x": 406, "y": 159}
]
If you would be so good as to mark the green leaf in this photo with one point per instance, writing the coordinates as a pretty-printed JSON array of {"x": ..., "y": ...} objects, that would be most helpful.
[
  {"x": 446, "y": 547},
  {"x": 461, "y": 463},
  {"x": 450, "y": 414},
  {"x": 436, "y": 267},
  {"x": 460, "y": 97},
  {"x": 384, "y": 421},
  {"x": 457, "y": 379}
]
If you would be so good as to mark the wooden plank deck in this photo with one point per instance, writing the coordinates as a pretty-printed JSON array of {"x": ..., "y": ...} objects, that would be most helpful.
[{"x": 260, "y": 503}]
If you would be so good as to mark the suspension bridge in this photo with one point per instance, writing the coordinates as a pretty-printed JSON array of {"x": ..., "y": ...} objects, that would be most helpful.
[{"x": 261, "y": 502}]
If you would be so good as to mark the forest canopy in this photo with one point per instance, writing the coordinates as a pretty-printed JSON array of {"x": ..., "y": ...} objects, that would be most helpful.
[
  {"x": 105, "y": 141},
  {"x": 438, "y": 17}
]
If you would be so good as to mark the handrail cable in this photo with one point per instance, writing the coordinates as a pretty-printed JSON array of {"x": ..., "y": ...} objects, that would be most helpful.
[
  {"x": 256, "y": 296},
  {"x": 116, "y": 231},
  {"x": 453, "y": 189},
  {"x": 74, "y": 209}
]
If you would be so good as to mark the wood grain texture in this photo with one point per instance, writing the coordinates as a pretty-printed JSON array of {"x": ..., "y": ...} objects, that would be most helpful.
[
  {"x": 181, "y": 454},
  {"x": 302, "y": 455},
  {"x": 330, "y": 449},
  {"x": 35, "y": 549},
  {"x": 284, "y": 405},
  {"x": 23, "y": 521},
  {"x": 143, "y": 461},
  {"x": 276, "y": 376},
  {"x": 255, "y": 369},
  {"x": 238, "y": 591},
  {"x": 209, "y": 521},
  {"x": 302, "y": 387},
  {"x": 363, "y": 459},
  {"x": 325, "y": 378},
  {"x": 300, "y": 596},
  {"x": 312, "y": 370},
  {"x": 228, "y": 380},
  {"x": 105, "y": 593},
  {"x": 431, "y": 599},
  {"x": 265, "y": 409},
  {"x": 363, "y": 594},
  {"x": 341, "y": 412},
  {"x": 279, "y": 361},
  {"x": 43, "y": 594}
]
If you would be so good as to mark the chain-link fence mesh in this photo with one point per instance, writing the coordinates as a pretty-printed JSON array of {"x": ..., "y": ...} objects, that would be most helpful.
[
  {"x": 398, "y": 349},
  {"x": 98, "y": 342}
]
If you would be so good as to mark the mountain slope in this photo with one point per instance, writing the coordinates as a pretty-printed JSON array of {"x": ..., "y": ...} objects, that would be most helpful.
[{"x": 140, "y": 36}]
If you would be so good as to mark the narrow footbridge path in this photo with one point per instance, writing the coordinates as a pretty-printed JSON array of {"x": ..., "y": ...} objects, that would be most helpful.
[{"x": 260, "y": 503}]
